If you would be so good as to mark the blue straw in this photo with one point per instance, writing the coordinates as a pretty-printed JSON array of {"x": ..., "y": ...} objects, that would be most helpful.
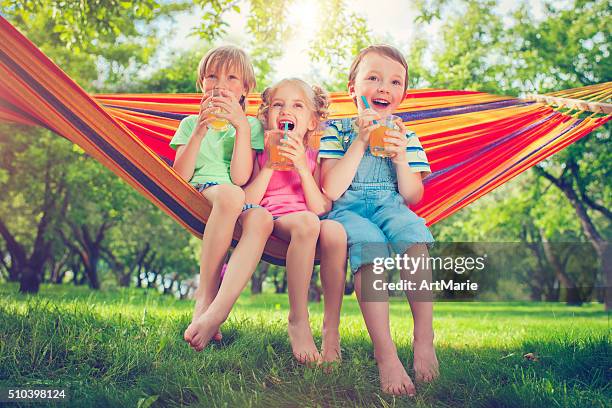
[
  {"x": 367, "y": 105},
  {"x": 285, "y": 136}
]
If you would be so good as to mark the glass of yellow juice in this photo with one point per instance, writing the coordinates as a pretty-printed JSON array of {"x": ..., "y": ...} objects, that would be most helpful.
[{"x": 219, "y": 124}]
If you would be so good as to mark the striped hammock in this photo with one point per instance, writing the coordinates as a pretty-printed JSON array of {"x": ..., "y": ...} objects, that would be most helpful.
[{"x": 474, "y": 141}]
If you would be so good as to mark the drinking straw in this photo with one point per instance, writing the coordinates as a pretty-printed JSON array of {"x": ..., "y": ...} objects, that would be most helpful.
[
  {"x": 367, "y": 105},
  {"x": 285, "y": 136}
]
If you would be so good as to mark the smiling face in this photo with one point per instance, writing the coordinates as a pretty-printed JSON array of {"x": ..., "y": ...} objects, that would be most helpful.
[
  {"x": 289, "y": 104},
  {"x": 381, "y": 80}
]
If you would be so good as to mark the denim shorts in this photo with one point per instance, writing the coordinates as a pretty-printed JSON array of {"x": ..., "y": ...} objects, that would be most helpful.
[
  {"x": 374, "y": 215},
  {"x": 203, "y": 186}
]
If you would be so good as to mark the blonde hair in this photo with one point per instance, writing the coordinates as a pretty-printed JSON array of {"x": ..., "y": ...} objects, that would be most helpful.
[
  {"x": 223, "y": 58},
  {"x": 317, "y": 100},
  {"x": 381, "y": 49}
]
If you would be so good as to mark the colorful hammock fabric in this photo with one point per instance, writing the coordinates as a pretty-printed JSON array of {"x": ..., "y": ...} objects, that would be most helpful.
[{"x": 474, "y": 141}]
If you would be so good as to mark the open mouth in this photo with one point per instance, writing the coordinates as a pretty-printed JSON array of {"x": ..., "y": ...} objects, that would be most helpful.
[
  {"x": 381, "y": 103},
  {"x": 290, "y": 124}
]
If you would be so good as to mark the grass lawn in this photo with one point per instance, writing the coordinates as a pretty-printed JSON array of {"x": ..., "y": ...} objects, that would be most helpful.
[{"x": 117, "y": 348}]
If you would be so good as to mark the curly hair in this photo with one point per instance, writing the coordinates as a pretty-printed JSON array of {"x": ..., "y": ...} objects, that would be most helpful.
[{"x": 317, "y": 100}]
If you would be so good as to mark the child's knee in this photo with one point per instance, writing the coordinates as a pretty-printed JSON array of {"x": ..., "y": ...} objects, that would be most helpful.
[
  {"x": 417, "y": 250},
  {"x": 332, "y": 235},
  {"x": 258, "y": 220},
  {"x": 230, "y": 199},
  {"x": 307, "y": 227}
]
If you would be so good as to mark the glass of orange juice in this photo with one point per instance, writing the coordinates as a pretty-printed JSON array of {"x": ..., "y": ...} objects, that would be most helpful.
[
  {"x": 277, "y": 161},
  {"x": 219, "y": 124},
  {"x": 377, "y": 143}
]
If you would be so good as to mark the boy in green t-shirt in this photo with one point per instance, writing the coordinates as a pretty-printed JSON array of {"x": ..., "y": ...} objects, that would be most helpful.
[{"x": 216, "y": 162}]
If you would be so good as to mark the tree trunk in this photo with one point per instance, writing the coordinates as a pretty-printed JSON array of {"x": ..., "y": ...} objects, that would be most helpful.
[
  {"x": 258, "y": 278},
  {"x": 588, "y": 227},
  {"x": 89, "y": 248},
  {"x": 13, "y": 273},
  {"x": 314, "y": 291},
  {"x": 75, "y": 277},
  {"x": 139, "y": 277},
  {"x": 125, "y": 279},
  {"x": 573, "y": 294},
  {"x": 58, "y": 268},
  {"x": 30, "y": 280},
  {"x": 92, "y": 275},
  {"x": 31, "y": 276},
  {"x": 18, "y": 258},
  {"x": 606, "y": 268},
  {"x": 280, "y": 283},
  {"x": 60, "y": 276},
  {"x": 542, "y": 279},
  {"x": 9, "y": 267},
  {"x": 30, "y": 268}
]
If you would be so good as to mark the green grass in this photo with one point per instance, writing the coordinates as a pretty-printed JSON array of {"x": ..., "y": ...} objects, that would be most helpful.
[{"x": 117, "y": 348}]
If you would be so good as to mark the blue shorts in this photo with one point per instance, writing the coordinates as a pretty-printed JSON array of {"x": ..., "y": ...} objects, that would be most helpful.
[
  {"x": 377, "y": 223},
  {"x": 203, "y": 186}
]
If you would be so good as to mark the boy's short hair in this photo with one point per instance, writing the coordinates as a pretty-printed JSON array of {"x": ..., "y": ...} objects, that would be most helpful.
[
  {"x": 382, "y": 49},
  {"x": 224, "y": 57}
]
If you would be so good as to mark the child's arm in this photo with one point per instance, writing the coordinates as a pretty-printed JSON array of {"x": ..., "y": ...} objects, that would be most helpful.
[
  {"x": 337, "y": 174},
  {"x": 316, "y": 201},
  {"x": 242, "y": 156},
  {"x": 409, "y": 183},
  {"x": 256, "y": 188},
  {"x": 187, "y": 154},
  {"x": 409, "y": 179},
  {"x": 317, "y": 196}
]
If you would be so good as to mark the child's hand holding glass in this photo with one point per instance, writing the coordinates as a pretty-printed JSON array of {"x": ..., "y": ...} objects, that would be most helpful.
[
  {"x": 227, "y": 110},
  {"x": 395, "y": 142},
  {"x": 205, "y": 117},
  {"x": 367, "y": 121},
  {"x": 293, "y": 149},
  {"x": 274, "y": 140}
]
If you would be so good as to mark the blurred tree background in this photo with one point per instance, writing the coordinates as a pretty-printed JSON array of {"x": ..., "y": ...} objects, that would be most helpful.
[{"x": 65, "y": 219}]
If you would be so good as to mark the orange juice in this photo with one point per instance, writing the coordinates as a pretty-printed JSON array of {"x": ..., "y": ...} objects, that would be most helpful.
[
  {"x": 377, "y": 144},
  {"x": 378, "y": 136},
  {"x": 277, "y": 161}
]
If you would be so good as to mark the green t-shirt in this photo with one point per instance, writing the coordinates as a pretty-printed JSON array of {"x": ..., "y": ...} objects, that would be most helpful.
[{"x": 215, "y": 156}]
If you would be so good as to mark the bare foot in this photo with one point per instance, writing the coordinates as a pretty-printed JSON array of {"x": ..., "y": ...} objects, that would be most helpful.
[
  {"x": 303, "y": 346},
  {"x": 394, "y": 379},
  {"x": 426, "y": 367},
  {"x": 201, "y": 331},
  {"x": 200, "y": 308},
  {"x": 331, "y": 355}
]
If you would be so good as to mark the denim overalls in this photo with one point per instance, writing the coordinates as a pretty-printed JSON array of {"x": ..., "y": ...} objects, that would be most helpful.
[{"x": 373, "y": 213}]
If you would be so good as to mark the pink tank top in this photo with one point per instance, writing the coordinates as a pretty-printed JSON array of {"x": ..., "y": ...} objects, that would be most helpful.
[{"x": 285, "y": 194}]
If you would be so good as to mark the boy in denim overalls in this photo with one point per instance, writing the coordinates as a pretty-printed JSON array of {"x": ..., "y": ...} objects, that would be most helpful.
[{"x": 370, "y": 197}]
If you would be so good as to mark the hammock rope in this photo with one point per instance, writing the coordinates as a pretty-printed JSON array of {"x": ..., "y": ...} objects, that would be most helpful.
[{"x": 474, "y": 141}]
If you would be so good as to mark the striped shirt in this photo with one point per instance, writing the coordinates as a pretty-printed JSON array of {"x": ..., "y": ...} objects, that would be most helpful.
[{"x": 336, "y": 137}]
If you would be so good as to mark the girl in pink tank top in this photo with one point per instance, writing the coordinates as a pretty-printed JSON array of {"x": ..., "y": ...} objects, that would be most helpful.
[
  {"x": 284, "y": 194},
  {"x": 295, "y": 200}
]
